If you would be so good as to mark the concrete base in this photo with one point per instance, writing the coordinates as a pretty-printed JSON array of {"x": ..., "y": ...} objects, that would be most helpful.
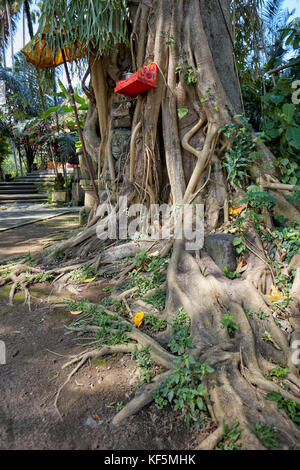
[
  {"x": 89, "y": 194},
  {"x": 59, "y": 196}
]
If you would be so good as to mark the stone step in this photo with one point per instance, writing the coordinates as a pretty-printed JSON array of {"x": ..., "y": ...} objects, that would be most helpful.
[
  {"x": 34, "y": 178},
  {"x": 17, "y": 186},
  {"x": 18, "y": 191},
  {"x": 22, "y": 197},
  {"x": 29, "y": 201},
  {"x": 36, "y": 181}
]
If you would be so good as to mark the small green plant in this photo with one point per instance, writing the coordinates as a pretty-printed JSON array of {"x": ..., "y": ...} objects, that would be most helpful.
[
  {"x": 5, "y": 272},
  {"x": 141, "y": 258},
  {"x": 158, "y": 299},
  {"x": 115, "y": 305},
  {"x": 277, "y": 322},
  {"x": 250, "y": 216},
  {"x": 249, "y": 313},
  {"x": 261, "y": 315},
  {"x": 156, "y": 324},
  {"x": 181, "y": 112},
  {"x": 144, "y": 361},
  {"x": 278, "y": 372},
  {"x": 112, "y": 330},
  {"x": 120, "y": 406},
  {"x": 288, "y": 170},
  {"x": 154, "y": 267},
  {"x": 39, "y": 277},
  {"x": 258, "y": 199},
  {"x": 231, "y": 436},
  {"x": 83, "y": 273},
  {"x": 180, "y": 337},
  {"x": 266, "y": 434},
  {"x": 184, "y": 389},
  {"x": 107, "y": 289},
  {"x": 281, "y": 128},
  {"x": 20, "y": 259},
  {"x": 240, "y": 246},
  {"x": 267, "y": 337},
  {"x": 230, "y": 274},
  {"x": 287, "y": 238},
  {"x": 242, "y": 153},
  {"x": 230, "y": 324},
  {"x": 291, "y": 407},
  {"x": 188, "y": 71},
  {"x": 170, "y": 41}
]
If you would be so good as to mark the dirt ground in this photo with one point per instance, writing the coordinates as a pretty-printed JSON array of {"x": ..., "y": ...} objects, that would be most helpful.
[
  {"x": 38, "y": 344},
  {"x": 32, "y": 375},
  {"x": 34, "y": 237}
]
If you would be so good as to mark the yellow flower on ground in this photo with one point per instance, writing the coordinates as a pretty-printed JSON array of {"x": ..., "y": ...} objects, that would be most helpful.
[{"x": 138, "y": 318}]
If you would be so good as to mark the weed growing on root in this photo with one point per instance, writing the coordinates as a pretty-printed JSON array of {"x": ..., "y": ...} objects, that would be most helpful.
[
  {"x": 291, "y": 407},
  {"x": 230, "y": 324},
  {"x": 180, "y": 337},
  {"x": 231, "y": 436},
  {"x": 266, "y": 434},
  {"x": 184, "y": 390}
]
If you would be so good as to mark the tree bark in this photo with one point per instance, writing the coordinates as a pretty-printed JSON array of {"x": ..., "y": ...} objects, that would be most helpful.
[{"x": 178, "y": 161}]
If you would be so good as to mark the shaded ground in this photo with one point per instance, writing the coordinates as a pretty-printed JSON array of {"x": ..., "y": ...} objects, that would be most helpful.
[
  {"x": 32, "y": 375},
  {"x": 35, "y": 236},
  {"x": 37, "y": 347},
  {"x": 20, "y": 214}
]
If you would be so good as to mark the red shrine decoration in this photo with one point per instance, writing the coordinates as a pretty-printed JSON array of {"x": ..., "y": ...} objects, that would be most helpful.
[{"x": 142, "y": 80}]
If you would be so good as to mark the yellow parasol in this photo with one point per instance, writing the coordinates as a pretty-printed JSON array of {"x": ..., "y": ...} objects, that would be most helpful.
[{"x": 37, "y": 52}]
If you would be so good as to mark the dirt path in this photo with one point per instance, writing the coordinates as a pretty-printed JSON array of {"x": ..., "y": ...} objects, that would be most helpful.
[
  {"x": 32, "y": 374},
  {"x": 34, "y": 237}
]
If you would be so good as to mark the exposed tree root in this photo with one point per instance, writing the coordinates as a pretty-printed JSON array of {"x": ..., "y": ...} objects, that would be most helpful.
[
  {"x": 141, "y": 400},
  {"x": 230, "y": 394},
  {"x": 212, "y": 440},
  {"x": 176, "y": 161}
]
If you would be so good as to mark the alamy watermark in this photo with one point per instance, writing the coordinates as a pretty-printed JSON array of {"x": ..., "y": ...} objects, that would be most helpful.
[
  {"x": 295, "y": 358},
  {"x": 157, "y": 222},
  {"x": 296, "y": 94},
  {"x": 2, "y": 92},
  {"x": 2, "y": 353}
]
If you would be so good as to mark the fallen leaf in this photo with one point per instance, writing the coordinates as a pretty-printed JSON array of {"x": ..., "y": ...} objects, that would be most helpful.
[
  {"x": 90, "y": 280},
  {"x": 156, "y": 253},
  {"x": 138, "y": 319},
  {"x": 236, "y": 209},
  {"x": 242, "y": 266},
  {"x": 276, "y": 295}
]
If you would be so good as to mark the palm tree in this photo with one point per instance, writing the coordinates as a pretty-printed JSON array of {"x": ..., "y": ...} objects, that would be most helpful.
[
  {"x": 275, "y": 19},
  {"x": 9, "y": 16}
]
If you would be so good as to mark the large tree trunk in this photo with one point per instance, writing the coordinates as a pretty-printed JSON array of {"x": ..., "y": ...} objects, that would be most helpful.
[{"x": 178, "y": 161}]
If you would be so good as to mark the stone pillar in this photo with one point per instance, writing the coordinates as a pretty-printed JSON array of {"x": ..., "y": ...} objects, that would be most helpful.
[{"x": 89, "y": 194}]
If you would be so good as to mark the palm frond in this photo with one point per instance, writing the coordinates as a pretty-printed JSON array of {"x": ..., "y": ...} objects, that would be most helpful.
[{"x": 97, "y": 25}]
